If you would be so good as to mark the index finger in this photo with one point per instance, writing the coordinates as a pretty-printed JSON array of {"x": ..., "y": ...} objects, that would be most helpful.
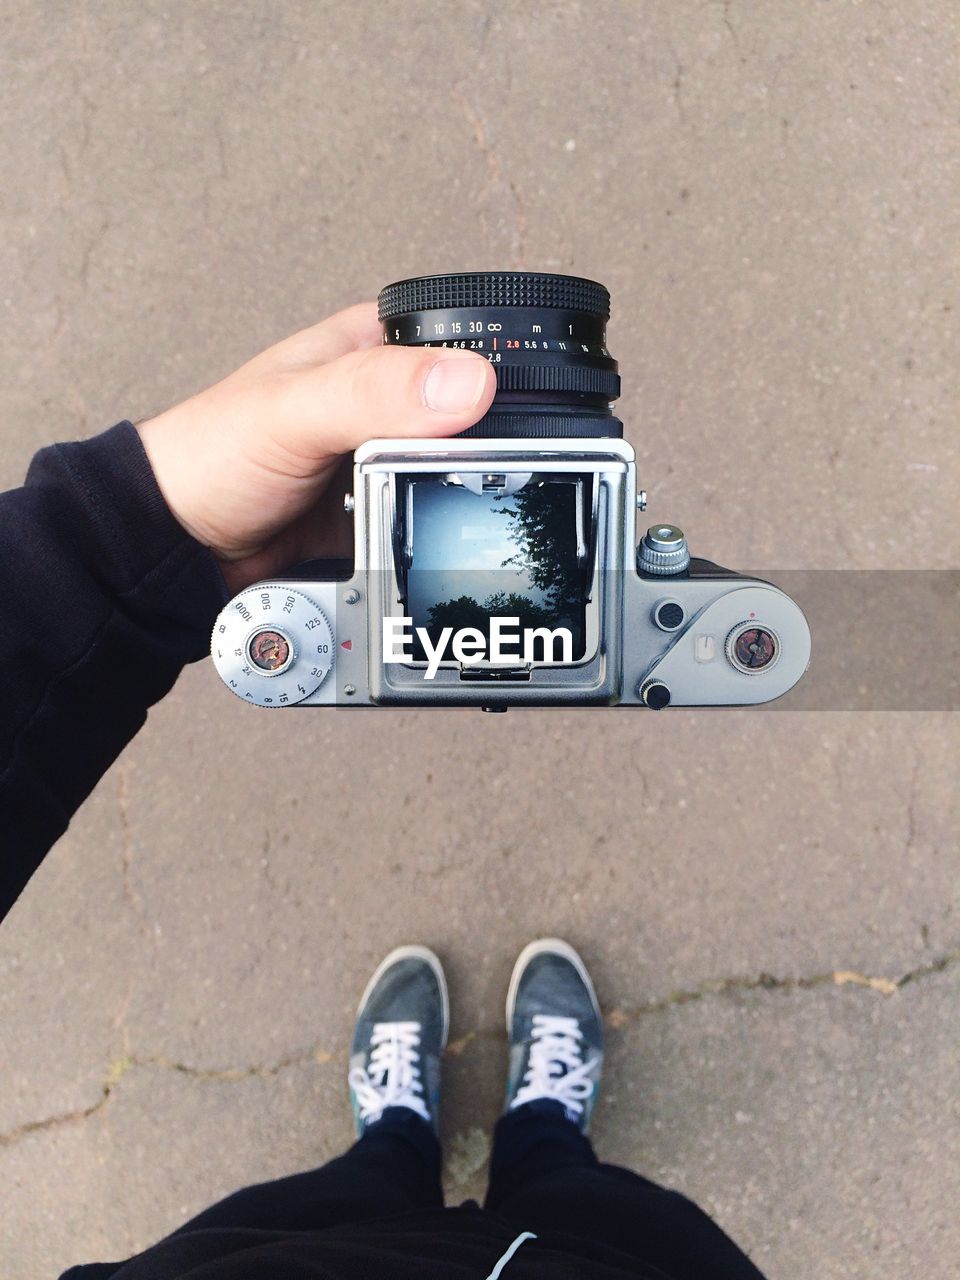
[{"x": 353, "y": 329}]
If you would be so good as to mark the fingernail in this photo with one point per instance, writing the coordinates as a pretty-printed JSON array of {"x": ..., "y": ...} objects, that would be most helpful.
[{"x": 455, "y": 384}]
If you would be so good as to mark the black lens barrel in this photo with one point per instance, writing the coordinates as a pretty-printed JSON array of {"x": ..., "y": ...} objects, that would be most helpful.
[{"x": 545, "y": 336}]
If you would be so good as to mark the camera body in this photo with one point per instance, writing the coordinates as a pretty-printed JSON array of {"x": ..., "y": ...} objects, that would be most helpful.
[{"x": 502, "y": 568}]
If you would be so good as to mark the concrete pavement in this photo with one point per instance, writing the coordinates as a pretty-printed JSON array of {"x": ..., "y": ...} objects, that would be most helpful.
[{"x": 769, "y": 901}]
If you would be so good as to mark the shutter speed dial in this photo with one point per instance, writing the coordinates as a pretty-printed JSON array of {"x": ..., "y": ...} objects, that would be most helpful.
[{"x": 272, "y": 646}]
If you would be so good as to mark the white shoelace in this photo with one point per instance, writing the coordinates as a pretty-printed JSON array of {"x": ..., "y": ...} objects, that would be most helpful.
[
  {"x": 555, "y": 1068},
  {"x": 392, "y": 1076}
]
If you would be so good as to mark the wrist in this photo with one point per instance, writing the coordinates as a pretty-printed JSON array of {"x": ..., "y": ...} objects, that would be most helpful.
[{"x": 164, "y": 442}]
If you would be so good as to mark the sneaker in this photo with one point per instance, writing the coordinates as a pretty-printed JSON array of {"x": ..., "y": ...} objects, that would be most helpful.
[
  {"x": 399, "y": 1039},
  {"x": 555, "y": 1032}
]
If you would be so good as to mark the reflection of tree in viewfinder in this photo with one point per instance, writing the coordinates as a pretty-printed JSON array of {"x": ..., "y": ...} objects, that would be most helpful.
[
  {"x": 545, "y": 531},
  {"x": 465, "y": 611}
]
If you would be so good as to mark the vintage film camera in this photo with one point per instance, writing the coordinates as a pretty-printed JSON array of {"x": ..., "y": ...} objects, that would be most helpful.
[{"x": 500, "y": 567}]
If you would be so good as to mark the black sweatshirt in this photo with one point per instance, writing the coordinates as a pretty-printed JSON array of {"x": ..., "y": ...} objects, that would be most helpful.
[{"x": 105, "y": 598}]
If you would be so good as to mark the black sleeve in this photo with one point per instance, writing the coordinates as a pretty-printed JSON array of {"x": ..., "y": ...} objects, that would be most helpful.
[{"x": 103, "y": 598}]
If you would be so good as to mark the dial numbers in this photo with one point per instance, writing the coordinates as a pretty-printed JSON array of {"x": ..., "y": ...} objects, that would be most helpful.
[
  {"x": 272, "y": 646},
  {"x": 513, "y": 329}
]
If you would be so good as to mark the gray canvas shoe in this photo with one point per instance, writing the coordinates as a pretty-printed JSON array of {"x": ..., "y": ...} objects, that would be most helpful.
[
  {"x": 555, "y": 1031},
  {"x": 399, "y": 1039}
]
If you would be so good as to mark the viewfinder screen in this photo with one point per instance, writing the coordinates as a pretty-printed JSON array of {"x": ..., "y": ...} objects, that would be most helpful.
[{"x": 475, "y": 547}]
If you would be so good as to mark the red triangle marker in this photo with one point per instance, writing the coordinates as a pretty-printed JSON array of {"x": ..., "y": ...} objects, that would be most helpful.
[{"x": 346, "y": 644}]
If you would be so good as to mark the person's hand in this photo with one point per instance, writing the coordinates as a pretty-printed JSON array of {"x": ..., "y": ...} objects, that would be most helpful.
[{"x": 244, "y": 465}]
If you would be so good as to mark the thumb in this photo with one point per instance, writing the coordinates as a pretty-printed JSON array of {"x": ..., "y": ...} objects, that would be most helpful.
[{"x": 384, "y": 391}]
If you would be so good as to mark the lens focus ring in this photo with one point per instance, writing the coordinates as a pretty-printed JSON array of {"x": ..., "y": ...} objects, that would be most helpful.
[{"x": 494, "y": 289}]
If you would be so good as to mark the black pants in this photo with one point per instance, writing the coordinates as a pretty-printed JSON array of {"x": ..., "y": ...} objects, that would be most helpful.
[{"x": 543, "y": 1175}]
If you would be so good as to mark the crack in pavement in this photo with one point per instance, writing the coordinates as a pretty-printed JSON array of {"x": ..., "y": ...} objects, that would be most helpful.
[
  {"x": 614, "y": 1018},
  {"x": 122, "y": 1066},
  {"x": 770, "y": 982},
  {"x": 731, "y": 30},
  {"x": 130, "y": 892},
  {"x": 496, "y": 175}
]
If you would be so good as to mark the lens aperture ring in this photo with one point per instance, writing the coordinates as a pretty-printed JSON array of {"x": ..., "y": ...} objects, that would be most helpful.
[
  {"x": 558, "y": 377},
  {"x": 494, "y": 289}
]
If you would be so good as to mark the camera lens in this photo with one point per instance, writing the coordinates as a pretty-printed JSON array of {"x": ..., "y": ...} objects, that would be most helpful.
[{"x": 545, "y": 336}]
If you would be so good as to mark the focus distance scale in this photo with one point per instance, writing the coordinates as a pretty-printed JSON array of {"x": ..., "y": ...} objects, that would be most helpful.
[{"x": 272, "y": 645}]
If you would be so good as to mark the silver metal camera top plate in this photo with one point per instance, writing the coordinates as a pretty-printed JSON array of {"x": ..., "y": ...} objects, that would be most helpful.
[
  {"x": 695, "y": 665},
  {"x": 631, "y": 649}
]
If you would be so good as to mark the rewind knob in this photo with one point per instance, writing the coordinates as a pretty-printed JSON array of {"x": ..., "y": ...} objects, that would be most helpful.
[{"x": 663, "y": 551}]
